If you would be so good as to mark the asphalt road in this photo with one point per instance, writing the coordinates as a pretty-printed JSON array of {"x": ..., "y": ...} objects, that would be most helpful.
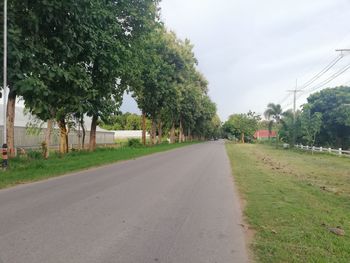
[{"x": 179, "y": 206}]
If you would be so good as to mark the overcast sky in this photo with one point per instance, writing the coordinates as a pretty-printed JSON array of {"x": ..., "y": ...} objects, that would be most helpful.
[{"x": 252, "y": 51}]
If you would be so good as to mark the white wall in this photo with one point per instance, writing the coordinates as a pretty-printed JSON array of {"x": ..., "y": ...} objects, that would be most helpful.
[{"x": 128, "y": 134}]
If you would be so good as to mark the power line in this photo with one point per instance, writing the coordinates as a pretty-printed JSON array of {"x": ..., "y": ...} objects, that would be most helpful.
[
  {"x": 322, "y": 72},
  {"x": 326, "y": 81},
  {"x": 329, "y": 66},
  {"x": 284, "y": 99}
]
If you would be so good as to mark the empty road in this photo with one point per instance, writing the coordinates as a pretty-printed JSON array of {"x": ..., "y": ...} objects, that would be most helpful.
[{"x": 179, "y": 206}]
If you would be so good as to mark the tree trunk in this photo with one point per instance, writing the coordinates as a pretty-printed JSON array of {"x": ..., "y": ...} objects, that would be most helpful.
[
  {"x": 67, "y": 139},
  {"x": 143, "y": 128},
  {"x": 84, "y": 132},
  {"x": 10, "y": 123},
  {"x": 160, "y": 131},
  {"x": 189, "y": 134},
  {"x": 63, "y": 136},
  {"x": 172, "y": 133},
  {"x": 92, "y": 145},
  {"x": 48, "y": 138},
  {"x": 242, "y": 137},
  {"x": 79, "y": 134},
  {"x": 180, "y": 132},
  {"x": 153, "y": 132}
]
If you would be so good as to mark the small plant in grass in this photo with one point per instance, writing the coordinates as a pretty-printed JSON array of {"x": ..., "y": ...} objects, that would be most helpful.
[
  {"x": 35, "y": 155},
  {"x": 134, "y": 143}
]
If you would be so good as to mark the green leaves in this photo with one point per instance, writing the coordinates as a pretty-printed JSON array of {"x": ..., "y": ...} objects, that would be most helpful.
[
  {"x": 77, "y": 57},
  {"x": 242, "y": 125},
  {"x": 311, "y": 124},
  {"x": 333, "y": 104}
]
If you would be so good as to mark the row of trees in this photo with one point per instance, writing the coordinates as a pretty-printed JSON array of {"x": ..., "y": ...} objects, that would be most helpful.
[
  {"x": 69, "y": 59},
  {"x": 324, "y": 120}
]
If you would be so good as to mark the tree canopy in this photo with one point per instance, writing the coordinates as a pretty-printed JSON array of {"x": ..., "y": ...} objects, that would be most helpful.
[
  {"x": 242, "y": 126},
  {"x": 77, "y": 58}
]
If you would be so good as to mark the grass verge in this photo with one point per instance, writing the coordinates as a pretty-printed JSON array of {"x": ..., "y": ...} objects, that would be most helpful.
[
  {"x": 25, "y": 170},
  {"x": 293, "y": 199}
]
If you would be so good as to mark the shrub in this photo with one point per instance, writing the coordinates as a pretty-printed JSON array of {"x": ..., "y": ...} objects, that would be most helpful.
[
  {"x": 134, "y": 143},
  {"x": 35, "y": 155}
]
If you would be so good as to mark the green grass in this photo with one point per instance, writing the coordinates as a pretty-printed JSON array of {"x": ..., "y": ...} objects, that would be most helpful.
[
  {"x": 25, "y": 170},
  {"x": 292, "y": 199}
]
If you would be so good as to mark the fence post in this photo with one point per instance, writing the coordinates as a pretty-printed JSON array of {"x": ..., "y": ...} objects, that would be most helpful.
[
  {"x": 340, "y": 151},
  {"x": 321, "y": 149},
  {"x": 313, "y": 148}
]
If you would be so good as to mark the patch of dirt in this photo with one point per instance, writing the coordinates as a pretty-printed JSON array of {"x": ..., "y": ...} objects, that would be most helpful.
[
  {"x": 311, "y": 179},
  {"x": 248, "y": 230},
  {"x": 337, "y": 231},
  {"x": 275, "y": 165}
]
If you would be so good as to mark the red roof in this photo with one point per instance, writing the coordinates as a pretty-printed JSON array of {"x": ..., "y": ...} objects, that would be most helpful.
[{"x": 263, "y": 134}]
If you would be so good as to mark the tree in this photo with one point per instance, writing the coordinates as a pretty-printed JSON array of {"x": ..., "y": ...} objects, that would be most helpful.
[
  {"x": 77, "y": 58},
  {"x": 70, "y": 59},
  {"x": 156, "y": 73},
  {"x": 120, "y": 24},
  {"x": 333, "y": 105},
  {"x": 133, "y": 122},
  {"x": 57, "y": 39},
  {"x": 274, "y": 114},
  {"x": 242, "y": 125},
  {"x": 23, "y": 47},
  {"x": 310, "y": 124},
  {"x": 290, "y": 128},
  {"x": 215, "y": 126},
  {"x": 203, "y": 121}
]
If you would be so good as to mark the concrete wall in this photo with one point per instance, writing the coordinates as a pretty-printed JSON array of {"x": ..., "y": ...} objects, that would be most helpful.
[
  {"x": 23, "y": 138},
  {"x": 128, "y": 134}
]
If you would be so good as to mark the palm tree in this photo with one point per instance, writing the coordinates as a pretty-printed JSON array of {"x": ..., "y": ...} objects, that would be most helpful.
[{"x": 274, "y": 114}]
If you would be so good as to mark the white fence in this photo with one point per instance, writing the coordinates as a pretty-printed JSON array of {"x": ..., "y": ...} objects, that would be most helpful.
[{"x": 339, "y": 151}]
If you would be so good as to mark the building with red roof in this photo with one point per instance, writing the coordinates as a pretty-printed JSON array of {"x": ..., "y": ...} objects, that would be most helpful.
[{"x": 264, "y": 134}]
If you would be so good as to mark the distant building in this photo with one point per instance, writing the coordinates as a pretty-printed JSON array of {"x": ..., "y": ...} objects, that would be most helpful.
[{"x": 264, "y": 134}]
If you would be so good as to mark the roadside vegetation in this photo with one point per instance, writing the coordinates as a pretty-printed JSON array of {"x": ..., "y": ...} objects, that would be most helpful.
[
  {"x": 33, "y": 167},
  {"x": 323, "y": 121},
  {"x": 79, "y": 59},
  {"x": 297, "y": 204}
]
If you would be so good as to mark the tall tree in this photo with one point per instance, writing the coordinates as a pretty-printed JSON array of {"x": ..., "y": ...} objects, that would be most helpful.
[
  {"x": 310, "y": 124},
  {"x": 242, "y": 125},
  {"x": 23, "y": 47},
  {"x": 274, "y": 114},
  {"x": 333, "y": 104},
  {"x": 120, "y": 24}
]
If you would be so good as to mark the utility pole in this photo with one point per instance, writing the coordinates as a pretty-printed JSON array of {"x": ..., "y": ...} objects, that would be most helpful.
[
  {"x": 295, "y": 92},
  {"x": 342, "y": 51},
  {"x": 5, "y": 72}
]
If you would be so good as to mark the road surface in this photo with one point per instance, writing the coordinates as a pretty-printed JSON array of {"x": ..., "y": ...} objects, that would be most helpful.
[{"x": 179, "y": 206}]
